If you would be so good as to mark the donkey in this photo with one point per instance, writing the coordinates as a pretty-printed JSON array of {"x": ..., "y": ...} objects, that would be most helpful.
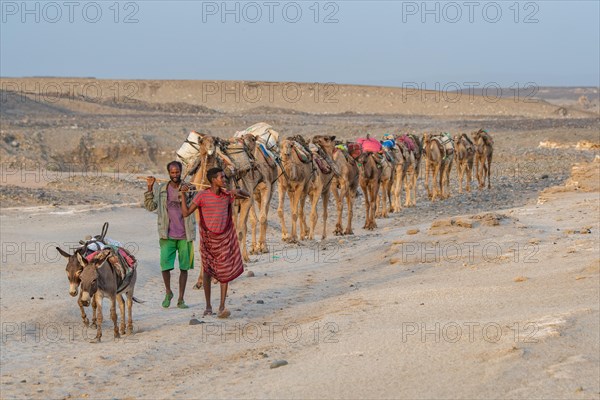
[
  {"x": 484, "y": 150},
  {"x": 100, "y": 279},
  {"x": 465, "y": 152},
  {"x": 74, "y": 269}
]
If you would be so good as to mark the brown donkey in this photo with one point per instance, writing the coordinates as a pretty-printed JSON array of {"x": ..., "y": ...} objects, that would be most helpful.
[
  {"x": 101, "y": 279},
  {"x": 465, "y": 152},
  {"x": 484, "y": 150},
  {"x": 74, "y": 270}
]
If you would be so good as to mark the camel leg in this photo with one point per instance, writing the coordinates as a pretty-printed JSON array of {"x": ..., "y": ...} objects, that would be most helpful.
[
  {"x": 245, "y": 206},
  {"x": 374, "y": 194},
  {"x": 325, "y": 198},
  {"x": 339, "y": 195},
  {"x": 314, "y": 200},
  {"x": 281, "y": 193},
  {"x": 266, "y": 194},
  {"x": 459, "y": 174},
  {"x": 396, "y": 189},
  {"x": 350, "y": 197},
  {"x": 365, "y": 191},
  {"x": 253, "y": 222},
  {"x": 428, "y": 170},
  {"x": 489, "y": 171},
  {"x": 302, "y": 216},
  {"x": 295, "y": 203}
]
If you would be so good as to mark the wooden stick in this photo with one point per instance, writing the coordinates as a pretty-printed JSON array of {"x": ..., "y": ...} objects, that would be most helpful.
[{"x": 168, "y": 180}]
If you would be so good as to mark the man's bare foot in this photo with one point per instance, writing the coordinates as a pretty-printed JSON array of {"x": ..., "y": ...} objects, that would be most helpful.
[
  {"x": 225, "y": 313},
  {"x": 208, "y": 311}
]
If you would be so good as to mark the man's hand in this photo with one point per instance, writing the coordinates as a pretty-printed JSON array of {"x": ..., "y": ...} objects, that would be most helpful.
[
  {"x": 150, "y": 181},
  {"x": 184, "y": 187},
  {"x": 240, "y": 193}
]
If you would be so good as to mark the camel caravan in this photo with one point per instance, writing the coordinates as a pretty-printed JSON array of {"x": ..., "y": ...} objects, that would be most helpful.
[{"x": 257, "y": 160}]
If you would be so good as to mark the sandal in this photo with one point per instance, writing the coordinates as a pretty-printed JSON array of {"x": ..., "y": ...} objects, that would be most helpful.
[
  {"x": 181, "y": 304},
  {"x": 167, "y": 301}
]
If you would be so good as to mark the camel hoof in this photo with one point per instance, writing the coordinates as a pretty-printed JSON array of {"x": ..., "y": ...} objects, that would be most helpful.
[
  {"x": 129, "y": 330},
  {"x": 122, "y": 330},
  {"x": 95, "y": 340},
  {"x": 86, "y": 322},
  {"x": 348, "y": 232},
  {"x": 94, "y": 325}
]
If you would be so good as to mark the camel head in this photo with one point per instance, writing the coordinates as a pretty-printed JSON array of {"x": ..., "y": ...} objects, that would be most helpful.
[
  {"x": 326, "y": 142},
  {"x": 286, "y": 149},
  {"x": 250, "y": 142},
  {"x": 208, "y": 145}
]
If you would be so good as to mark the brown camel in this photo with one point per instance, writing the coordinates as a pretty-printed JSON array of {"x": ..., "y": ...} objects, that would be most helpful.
[
  {"x": 465, "y": 152},
  {"x": 484, "y": 150},
  {"x": 438, "y": 163},
  {"x": 415, "y": 148},
  {"x": 259, "y": 181},
  {"x": 321, "y": 182},
  {"x": 404, "y": 158},
  {"x": 386, "y": 179},
  {"x": 294, "y": 180},
  {"x": 369, "y": 175},
  {"x": 345, "y": 187},
  {"x": 260, "y": 178}
]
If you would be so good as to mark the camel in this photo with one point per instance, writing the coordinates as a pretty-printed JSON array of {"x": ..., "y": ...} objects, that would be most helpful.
[
  {"x": 404, "y": 158},
  {"x": 369, "y": 178},
  {"x": 321, "y": 182},
  {"x": 465, "y": 152},
  {"x": 413, "y": 169},
  {"x": 484, "y": 149},
  {"x": 295, "y": 179},
  {"x": 438, "y": 163},
  {"x": 386, "y": 179},
  {"x": 257, "y": 180},
  {"x": 345, "y": 187}
]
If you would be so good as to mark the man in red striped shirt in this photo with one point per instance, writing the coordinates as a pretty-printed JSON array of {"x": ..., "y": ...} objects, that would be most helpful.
[{"x": 219, "y": 248}]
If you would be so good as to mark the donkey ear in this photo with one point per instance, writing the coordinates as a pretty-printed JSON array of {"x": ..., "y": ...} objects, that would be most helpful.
[
  {"x": 81, "y": 260},
  {"x": 63, "y": 253}
]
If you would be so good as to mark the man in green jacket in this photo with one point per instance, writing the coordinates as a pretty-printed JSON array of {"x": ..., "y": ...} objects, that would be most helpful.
[{"x": 176, "y": 233}]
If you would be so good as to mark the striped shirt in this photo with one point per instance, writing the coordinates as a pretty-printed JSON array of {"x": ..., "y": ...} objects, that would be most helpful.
[{"x": 215, "y": 208}]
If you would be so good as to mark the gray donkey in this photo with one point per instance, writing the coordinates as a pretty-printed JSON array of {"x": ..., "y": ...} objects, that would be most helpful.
[{"x": 99, "y": 279}]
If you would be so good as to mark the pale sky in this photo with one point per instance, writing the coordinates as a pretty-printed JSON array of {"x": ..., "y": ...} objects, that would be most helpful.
[{"x": 549, "y": 43}]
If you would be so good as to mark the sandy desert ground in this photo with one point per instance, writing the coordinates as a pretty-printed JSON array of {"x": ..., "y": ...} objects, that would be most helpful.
[{"x": 489, "y": 294}]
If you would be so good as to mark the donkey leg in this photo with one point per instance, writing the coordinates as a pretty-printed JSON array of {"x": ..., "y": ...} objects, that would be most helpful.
[
  {"x": 94, "y": 312},
  {"x": 84, "y": 317},
  {"x": 98, "y": 300},
  {"x": 113, "y": 315},
  {"x": 129, "y": 311},
  {"x": 123, "y": 316}
]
